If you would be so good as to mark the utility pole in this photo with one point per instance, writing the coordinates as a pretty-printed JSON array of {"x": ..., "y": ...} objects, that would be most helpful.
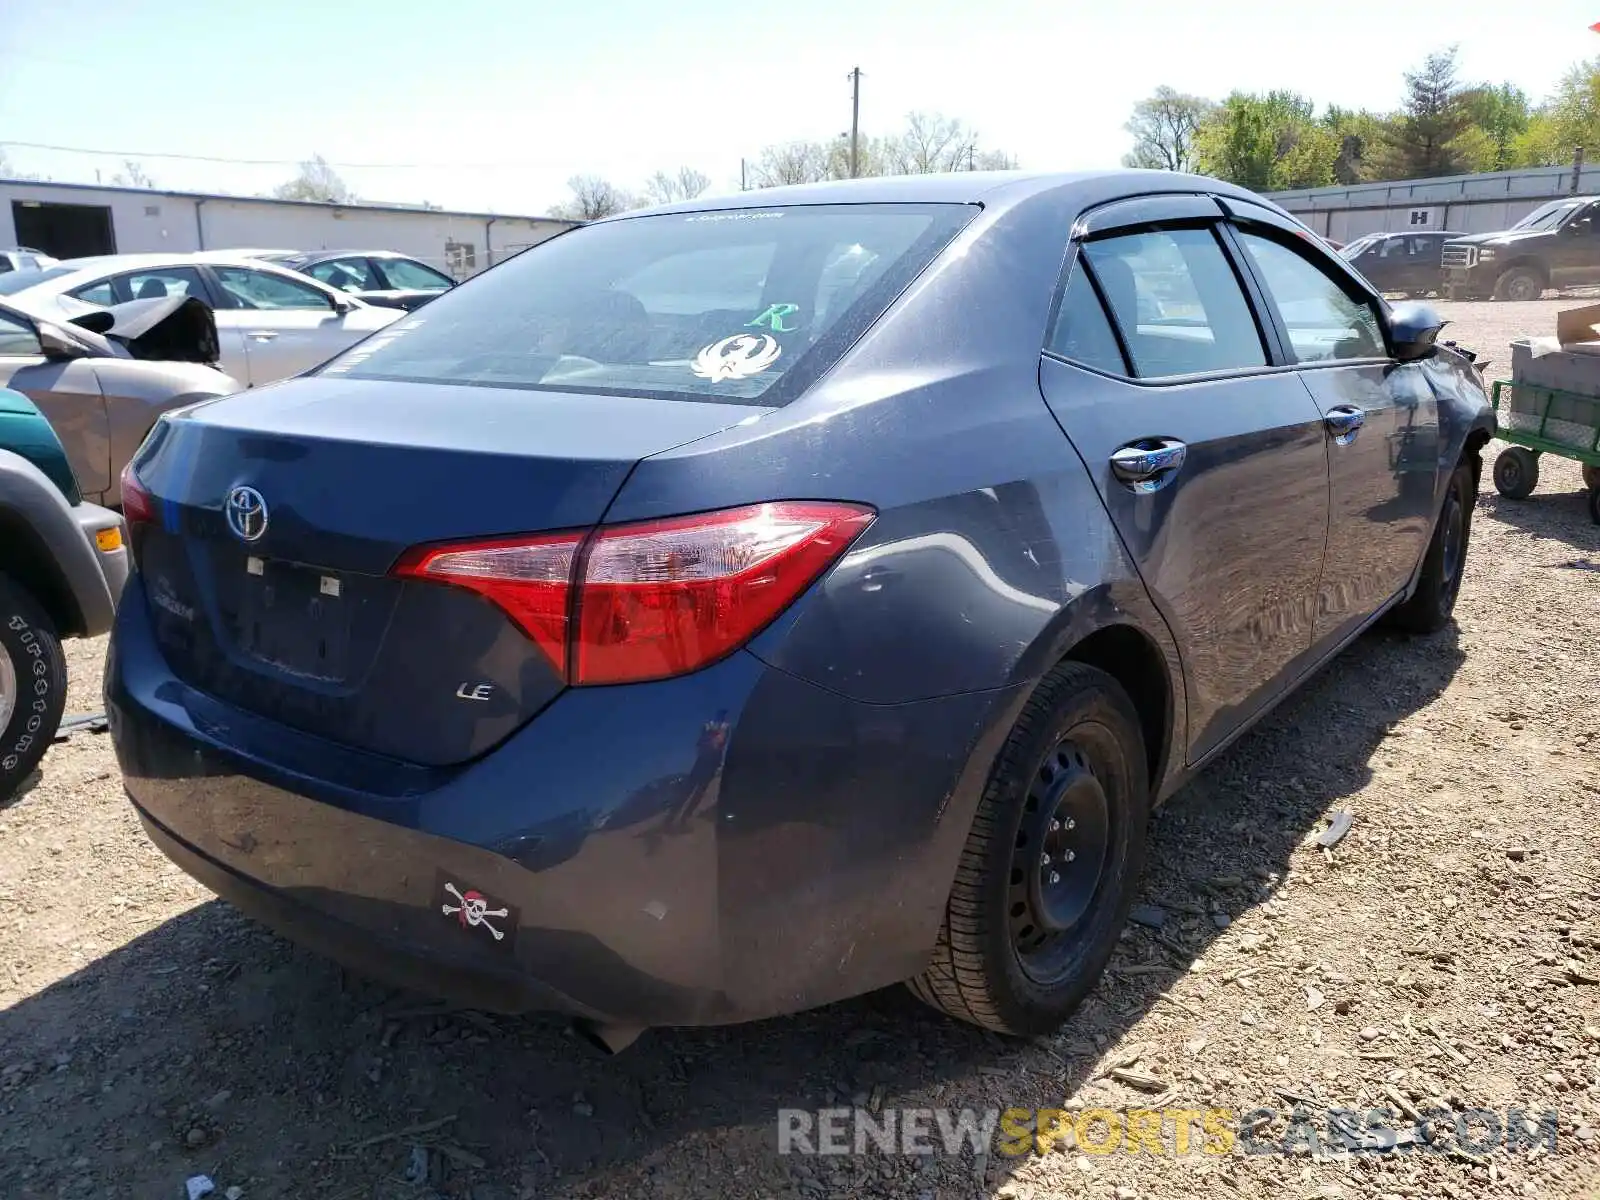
[
  {"x": 1577, "y": 169},
  {"x": 743, "y": 186},
  {"x": 855, "y": 122},
  {"x": 972, "y": 156}
]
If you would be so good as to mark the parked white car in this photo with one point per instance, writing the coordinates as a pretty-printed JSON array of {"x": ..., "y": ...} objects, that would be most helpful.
[{"x": 271, "y": 323}]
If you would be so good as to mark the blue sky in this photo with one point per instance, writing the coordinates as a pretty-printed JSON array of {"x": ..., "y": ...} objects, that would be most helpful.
[{"x": 496, "y": 104}]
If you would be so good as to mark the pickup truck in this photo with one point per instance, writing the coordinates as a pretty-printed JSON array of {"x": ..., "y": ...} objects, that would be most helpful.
[
  {"x": 62, "y": 567},
  {"x": 1555, "y": 246}
]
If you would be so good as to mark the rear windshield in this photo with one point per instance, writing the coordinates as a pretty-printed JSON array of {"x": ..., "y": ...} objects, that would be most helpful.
[
  {"x": 737, "y": 304},
  {"x": 18, "y": 281}
]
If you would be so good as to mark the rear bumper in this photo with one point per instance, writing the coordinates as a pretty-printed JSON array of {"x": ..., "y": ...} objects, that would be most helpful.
[{"x": 649, "y": 874}]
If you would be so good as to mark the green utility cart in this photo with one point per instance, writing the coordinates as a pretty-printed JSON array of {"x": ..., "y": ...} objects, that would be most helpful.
[{"x": 1542, "y": 420}]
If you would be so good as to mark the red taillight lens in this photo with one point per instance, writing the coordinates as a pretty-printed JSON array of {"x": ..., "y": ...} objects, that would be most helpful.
[
  {"x": 667, "y": 597},
  {"x": 528, "y": 577},
  {"x": 654, "y": 599},
  {"x": 137, "y": 506}
]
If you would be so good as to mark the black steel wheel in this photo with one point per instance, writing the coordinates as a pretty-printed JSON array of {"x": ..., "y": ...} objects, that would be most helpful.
[
  {"x": 1051, "y": 862},
  {"x": 1430, "y": 607},
  {"x": 1516, "y": 472},
  {"x": 1519, "y": 284},
  {"x": 1594, "y": 505}
]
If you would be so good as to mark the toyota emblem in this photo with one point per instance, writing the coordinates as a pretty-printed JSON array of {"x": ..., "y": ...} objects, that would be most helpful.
[{"x": 247, "y": 513}]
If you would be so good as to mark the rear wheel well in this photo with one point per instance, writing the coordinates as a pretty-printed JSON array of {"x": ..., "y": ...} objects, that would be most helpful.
[
  {"x": 29, "y": 563},
  {"x": 1139, "y": 666}
]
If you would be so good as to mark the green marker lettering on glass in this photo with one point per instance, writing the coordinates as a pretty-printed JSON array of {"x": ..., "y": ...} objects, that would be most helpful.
[{"x": 773, "y": 318}]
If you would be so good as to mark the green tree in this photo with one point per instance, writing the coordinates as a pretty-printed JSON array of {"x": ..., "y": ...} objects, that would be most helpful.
[
  {"x": 1500, "y": 113},
  {"x": 1539, "y": 145},
  {"x": 1575, "y": 109},
  {"x": 1164, "y": 127},
  {"x": 1421, "y": 141},
  {"x": 1266, "y": 141}
]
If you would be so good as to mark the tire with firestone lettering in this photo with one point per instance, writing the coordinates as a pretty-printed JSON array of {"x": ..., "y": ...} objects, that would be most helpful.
[{"x": 33, "y": 685}]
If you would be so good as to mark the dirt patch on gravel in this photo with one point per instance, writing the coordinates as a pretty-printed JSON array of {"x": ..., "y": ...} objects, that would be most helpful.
[{"x": 1444, "y": 955}]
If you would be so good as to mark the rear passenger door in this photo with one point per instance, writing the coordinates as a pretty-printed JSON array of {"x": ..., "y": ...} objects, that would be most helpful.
[
  {"x": 287, "y": 325},
  {"x": 1382, "y": 420},
  {"x": 1211, "y": 458}
]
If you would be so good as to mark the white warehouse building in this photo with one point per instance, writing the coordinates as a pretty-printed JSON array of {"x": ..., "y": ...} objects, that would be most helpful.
[{"x": 70, "y": 220}]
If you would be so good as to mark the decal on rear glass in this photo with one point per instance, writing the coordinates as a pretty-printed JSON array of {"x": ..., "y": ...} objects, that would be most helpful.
[
  {"x": 773, "y": 318},
  {"x": 736, "y": 357}
]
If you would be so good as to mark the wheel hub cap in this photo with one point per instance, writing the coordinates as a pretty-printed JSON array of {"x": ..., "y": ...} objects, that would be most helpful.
[
  {"x": 1060, "y": 853},
  {"x": 1454, "y": 529},
  {"x": 8, "y": 689}
]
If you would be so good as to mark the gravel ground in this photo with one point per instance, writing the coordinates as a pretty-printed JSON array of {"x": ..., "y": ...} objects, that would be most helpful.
[{"x": 1445, "y": 955}]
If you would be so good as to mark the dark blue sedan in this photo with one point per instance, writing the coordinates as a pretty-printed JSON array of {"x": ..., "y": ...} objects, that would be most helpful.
[{"x": 722, "y": 610}]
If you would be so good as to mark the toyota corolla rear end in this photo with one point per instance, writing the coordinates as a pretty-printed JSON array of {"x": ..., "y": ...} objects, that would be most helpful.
[{"x": 391, "y": 677}]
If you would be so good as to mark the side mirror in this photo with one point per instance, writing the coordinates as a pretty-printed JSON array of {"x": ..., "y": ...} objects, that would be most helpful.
[
  {"x": 1413, "y": 330},
  {"x": 342, "y": 304},
  {"x": 57, "y": 346}
]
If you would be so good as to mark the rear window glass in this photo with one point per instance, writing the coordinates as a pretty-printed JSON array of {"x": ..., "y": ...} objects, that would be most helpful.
[
  {"x": 735, "y": 304},
  {"x": 17, "y": 281}
]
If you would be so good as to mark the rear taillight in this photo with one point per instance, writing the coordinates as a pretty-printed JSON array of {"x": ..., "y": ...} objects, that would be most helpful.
[
  {"x": 653, "y": 599},
  {"x": 137, "y": 506},
  {"x": 667, "y": 597},
  {"x": 530, "y": 578}
]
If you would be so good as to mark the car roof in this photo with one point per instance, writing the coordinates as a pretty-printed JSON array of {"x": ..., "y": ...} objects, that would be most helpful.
[
  {"x": 316, "y": 256},
  {"x": 132, "y": 262},
  {"x": 999, "y": 188}
]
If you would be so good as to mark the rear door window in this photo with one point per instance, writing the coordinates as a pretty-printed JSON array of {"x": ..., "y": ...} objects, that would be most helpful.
[
  {"x": 17, "y": 337},
  {"x": 263, "y": 289},
  {"x": 732, "y": 304},
  {"x": 159, "y": 284},
  {"x": 1177, "y": 302},
  {"x": 104, "y": 292},
  {"x": 404, "y": 273},
  {"x": 1083, "y": 332},
  {"x": 346, "y": 274}
]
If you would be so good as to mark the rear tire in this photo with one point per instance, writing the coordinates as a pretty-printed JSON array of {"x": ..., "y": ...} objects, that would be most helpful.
[
  {"x": 1594, "y": 505},
  {"x": 33, "y": 685},
  {"x": 1051, "y": 863},
  {"x": 1519, "y": 284},
  {"x": 1591, "y": 477},
  {"x": 1430, "y": 607},
  {"x": 1516, "y": 473}
]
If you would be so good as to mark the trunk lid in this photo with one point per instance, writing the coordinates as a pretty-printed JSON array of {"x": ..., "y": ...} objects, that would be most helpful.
[{"x": 301, "y": 622}]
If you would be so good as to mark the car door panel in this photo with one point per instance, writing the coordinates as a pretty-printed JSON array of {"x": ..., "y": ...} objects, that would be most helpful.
[
  {"x": 68, "y": 394},
  {"x": 1381, "y": 426},
  {"x": 280, "y": 341},
  {"x": 1217, "y": 486},
  {"x": 1232, "y": 549},
  {"x": 1381, "y": 484}
]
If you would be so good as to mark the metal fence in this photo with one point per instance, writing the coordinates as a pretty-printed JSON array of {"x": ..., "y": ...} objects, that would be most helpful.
[{"x": 1462, "y": 203}]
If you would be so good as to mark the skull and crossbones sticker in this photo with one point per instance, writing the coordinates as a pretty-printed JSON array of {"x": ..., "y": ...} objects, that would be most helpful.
[{"x": 472, "y": 910}]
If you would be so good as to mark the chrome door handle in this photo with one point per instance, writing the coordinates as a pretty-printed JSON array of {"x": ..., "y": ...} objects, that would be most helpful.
[
  {"x": 262, "y": 335},
  {"x": 1149, "y": 464},
  {"x": 1344, "y": 423}
]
